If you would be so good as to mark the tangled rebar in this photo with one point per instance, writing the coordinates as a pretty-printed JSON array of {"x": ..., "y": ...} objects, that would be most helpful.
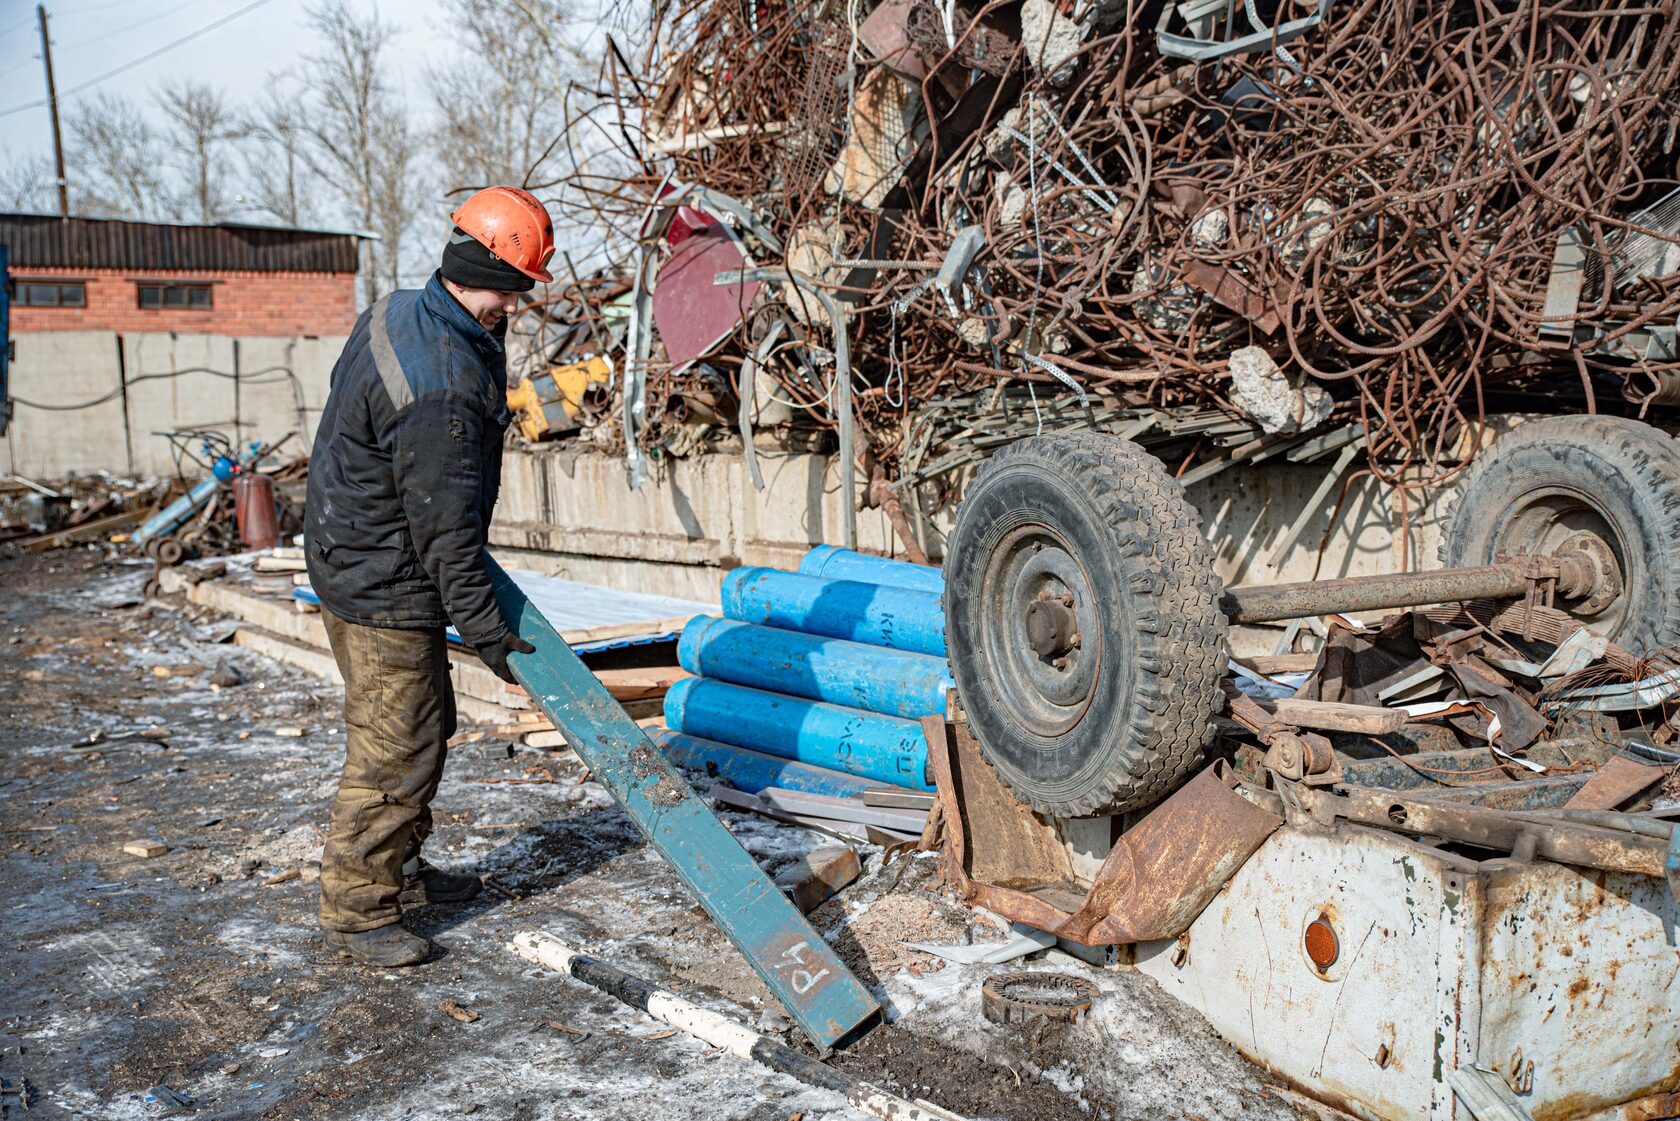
[{"x": 1417, "y": 212}]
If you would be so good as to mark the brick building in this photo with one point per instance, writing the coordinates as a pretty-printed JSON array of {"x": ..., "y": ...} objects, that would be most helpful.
[{"x": 90, "y": 274}]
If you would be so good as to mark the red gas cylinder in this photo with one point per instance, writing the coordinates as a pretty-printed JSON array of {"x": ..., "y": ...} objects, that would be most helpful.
[{"x": 253, "y": 506}]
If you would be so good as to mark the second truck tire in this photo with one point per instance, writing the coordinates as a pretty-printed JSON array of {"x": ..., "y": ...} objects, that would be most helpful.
[{"x": 1605, "y": 478}]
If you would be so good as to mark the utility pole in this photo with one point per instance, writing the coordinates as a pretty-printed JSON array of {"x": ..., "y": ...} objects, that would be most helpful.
[{"x": 52, "y": 105}]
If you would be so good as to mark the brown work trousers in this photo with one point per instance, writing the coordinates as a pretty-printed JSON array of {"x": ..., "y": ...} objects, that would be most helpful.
[{"x": 399, "y": 712}]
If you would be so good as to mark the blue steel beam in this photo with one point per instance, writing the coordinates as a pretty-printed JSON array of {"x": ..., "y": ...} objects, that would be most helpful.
[{"x": 801, "y": 969}]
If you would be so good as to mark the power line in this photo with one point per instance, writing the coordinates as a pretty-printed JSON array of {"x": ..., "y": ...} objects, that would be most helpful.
[
  {"x": 102, "y": 35},
  {"x": 206, "y": 29},
  {"x": 86, "y": 8},
  {"x": 79, "y": 43}
]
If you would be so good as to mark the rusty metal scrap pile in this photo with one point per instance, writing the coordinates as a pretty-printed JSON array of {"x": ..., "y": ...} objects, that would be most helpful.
[{"x": 1360, "y": 216}]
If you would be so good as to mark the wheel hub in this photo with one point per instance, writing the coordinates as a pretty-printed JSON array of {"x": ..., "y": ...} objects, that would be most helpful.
[
  {"x": 1039, "y": 622},
  {"x": 1051, "y": 626},
  {"x": 1597, "y": 578}
]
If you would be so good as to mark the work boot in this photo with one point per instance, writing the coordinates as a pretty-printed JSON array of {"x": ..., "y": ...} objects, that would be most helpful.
[
  {"x": 390, "y": 946},
  {"x": 422, "y": 884}
]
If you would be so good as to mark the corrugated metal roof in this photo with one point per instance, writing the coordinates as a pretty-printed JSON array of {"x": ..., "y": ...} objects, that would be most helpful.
[{"x": 43, "y": 241}]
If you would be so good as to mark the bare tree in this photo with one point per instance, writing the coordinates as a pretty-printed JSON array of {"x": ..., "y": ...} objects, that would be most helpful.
[
  {"x": 200, "y": 133},
  {"x": 277, "y": 176},
  {"x": 500, "y": 103},
  {"x": 28, "y": 186},
  {"x": 116, "y": 161},
  {"x": 362, "y": 144}
]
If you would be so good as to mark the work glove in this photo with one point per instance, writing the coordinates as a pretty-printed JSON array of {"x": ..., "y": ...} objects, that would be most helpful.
[{"x": 495, "y": 654}]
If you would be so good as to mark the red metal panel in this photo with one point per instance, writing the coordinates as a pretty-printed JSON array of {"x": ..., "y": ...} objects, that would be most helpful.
[{"x": 692, "y": 314}]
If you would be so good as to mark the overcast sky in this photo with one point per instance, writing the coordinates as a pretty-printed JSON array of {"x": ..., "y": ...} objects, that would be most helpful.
[{"x": 92, "y": 37}]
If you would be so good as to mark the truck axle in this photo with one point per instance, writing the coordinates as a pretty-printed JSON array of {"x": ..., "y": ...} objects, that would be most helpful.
[{"x": 1578, "y": 571}]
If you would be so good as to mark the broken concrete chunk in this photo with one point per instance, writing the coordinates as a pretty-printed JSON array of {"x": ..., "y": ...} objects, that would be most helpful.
[
  {"x": 1210, "y": 228},
  {"x": 1167, "y": 303},
  {"x": 973, "y": 332},
  {"x": 1052, "y": 40},
  {"x": 811, "y": 252},
  {"x": 1279, "y": 402},
  {"x": 1004, "y": 147}
]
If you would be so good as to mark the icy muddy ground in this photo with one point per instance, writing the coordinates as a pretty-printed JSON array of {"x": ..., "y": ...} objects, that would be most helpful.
[{"x": 192, "y": 984}]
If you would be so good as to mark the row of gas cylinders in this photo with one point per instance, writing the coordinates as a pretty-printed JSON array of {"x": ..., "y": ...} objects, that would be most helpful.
[{"x": 815, "y": 679}]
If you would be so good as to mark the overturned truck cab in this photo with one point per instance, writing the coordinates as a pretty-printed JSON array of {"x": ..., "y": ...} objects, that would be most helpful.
[{"x": 1395, "y": 923}]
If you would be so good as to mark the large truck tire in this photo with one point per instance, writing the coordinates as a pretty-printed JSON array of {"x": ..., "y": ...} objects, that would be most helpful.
[
  {"x": 1083, "y": 624},
  {"x": 1603, "y": 484}
]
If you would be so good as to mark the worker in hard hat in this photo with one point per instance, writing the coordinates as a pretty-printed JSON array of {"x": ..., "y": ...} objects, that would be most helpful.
[{"x": 402, "y": 481}]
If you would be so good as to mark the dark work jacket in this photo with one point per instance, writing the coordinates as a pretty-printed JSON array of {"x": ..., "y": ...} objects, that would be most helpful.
[{"x": 406, "y": 466}]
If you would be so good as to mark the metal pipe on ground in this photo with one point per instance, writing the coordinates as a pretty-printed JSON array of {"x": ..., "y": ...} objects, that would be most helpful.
[
  {"x": 889, "y": 749},
  {"x": 751, "y": 771},
  {"x": 892, "y": 682},
  {"x": 720, "y": 1031},
  {"x": 874, "y": 614},
  {"x": 831, "y": 562}
]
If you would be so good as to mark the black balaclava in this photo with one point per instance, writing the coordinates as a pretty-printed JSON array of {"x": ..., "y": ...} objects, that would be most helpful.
[{"x": 469, "y": 263}]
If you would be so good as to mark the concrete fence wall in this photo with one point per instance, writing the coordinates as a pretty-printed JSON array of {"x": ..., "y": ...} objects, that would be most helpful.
[
  {"x": 566, "y": 513},
  {"x": 569, "y": 513},
  {"x": 94, "y": 400}
]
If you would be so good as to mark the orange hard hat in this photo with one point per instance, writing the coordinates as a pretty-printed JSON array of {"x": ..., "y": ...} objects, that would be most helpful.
[{"x": 513, "y": 225}]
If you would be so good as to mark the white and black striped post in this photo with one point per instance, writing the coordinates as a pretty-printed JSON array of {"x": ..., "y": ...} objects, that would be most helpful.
[{"x": 720, "y": 1031}]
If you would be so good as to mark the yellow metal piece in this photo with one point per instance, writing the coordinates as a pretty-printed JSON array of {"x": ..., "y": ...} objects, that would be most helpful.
[{"x": 547, "y": 404}]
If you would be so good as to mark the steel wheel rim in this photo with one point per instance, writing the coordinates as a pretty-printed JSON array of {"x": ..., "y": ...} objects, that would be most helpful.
[{"x": 1029, "y": 564}]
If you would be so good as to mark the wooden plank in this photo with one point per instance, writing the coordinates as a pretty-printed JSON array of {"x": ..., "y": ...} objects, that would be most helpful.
[
  {"x": 470, "y": 675},
  {"x": 279, "y": 564},
  {"x": 636, "y": 683},
  {"x": 818, "y": 875},
  {"x": 633, "y": 629},
  {"x": 86, "y": 529},
  {"x": 1268, "y": 664},
  {"x": 1335, "y": 716},
  {"x": 800, "y": 969}
]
